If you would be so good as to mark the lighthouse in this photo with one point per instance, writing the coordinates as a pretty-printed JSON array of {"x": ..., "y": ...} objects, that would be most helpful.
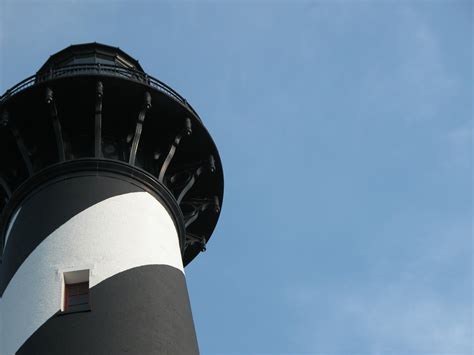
[{"x": 110, "y": 185}]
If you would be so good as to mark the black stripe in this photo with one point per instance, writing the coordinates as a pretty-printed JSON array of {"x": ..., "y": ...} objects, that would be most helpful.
[
  {"x": 141, "y": 311},
  {"x": 50, "y": 206}
]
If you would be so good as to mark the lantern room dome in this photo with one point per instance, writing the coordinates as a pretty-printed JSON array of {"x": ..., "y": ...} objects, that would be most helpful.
[{"x": 90, "y": 53}]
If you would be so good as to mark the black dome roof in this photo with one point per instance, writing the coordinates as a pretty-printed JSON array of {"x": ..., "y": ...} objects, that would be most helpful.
[{"x": 91, "y": 53}]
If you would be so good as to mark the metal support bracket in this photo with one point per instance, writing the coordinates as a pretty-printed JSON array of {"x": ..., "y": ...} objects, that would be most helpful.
[
  {"x": 98, "y": 120},
  {"x": 198, "y": 207},
  {"x": 6, "y": 121},
  {"x": 139, "y": 128},
  {"x": 192, "y": 239},
  {"x": 5, "y": 187},
  {"x": 211, "y": 165},
  {"x": 56, "y": 124},
  {"x": 187, "y": 130}
]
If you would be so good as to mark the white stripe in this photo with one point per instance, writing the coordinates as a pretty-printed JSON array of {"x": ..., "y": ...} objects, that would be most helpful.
[{"x": 112, "y": 236}]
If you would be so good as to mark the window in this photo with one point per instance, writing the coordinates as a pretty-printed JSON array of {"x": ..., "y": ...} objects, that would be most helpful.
[
  {"x": 104, "y": 59},
  {"x": 124, "y": 63},
  {"x": 76, "y": 295}
]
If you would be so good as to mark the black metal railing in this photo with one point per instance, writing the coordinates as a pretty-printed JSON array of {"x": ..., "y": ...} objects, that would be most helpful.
[{"x": 96, "y": 69}]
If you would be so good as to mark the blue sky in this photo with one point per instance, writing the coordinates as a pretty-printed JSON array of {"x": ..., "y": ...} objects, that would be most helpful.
[{"x": 345, "y": 131}]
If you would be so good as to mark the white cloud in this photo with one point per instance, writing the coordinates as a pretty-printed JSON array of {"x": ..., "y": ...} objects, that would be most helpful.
[
  {"x": 401, "y": 317},
  {"x": 459, "y": 145},
  {"x": 415, "y": 306},
  {"x": 418, "y": 82}
]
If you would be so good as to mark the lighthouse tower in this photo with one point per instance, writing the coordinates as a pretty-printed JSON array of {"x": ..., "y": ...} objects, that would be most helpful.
[{"x": 109, "y": 185}]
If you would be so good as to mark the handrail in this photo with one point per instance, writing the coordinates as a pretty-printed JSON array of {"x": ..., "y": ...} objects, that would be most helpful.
[{"x": 96, "y": 69}]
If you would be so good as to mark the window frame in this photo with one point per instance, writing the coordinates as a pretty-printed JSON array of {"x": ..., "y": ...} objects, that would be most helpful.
[{"x": 69, "y": 280}]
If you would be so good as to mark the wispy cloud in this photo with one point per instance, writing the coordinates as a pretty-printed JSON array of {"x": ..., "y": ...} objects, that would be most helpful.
[
  {"x": 419, "y": 81},
  {"x": 415, "y": 307},
  {"x": 459, "y": 144}
]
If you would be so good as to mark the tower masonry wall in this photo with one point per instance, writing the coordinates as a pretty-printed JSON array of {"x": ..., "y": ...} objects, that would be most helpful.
[{"x": 127, "y": 242}]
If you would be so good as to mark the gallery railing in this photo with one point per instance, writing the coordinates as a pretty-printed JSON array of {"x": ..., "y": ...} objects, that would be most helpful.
[{"x": 96, "y": 69}]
